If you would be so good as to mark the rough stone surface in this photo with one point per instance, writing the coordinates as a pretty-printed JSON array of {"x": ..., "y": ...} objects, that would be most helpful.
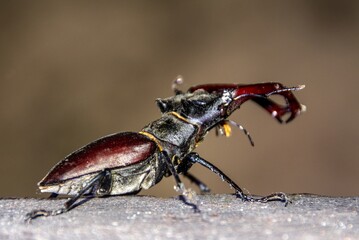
[{"x": 221, "y": 217}]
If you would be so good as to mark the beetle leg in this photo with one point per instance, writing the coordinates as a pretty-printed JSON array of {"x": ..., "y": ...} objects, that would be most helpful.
[
  {"x": 105, "y": 183},
  {"x": 101, "y": 179},
  {"x": 183, "y": 168},
  {"x": 185, "y": 195},
  {"x": 202, "y": 186},
  {"x": 195, "y": 158},
  {"x": 53, "y": 195},
  {"x": 278, "y": 196}
]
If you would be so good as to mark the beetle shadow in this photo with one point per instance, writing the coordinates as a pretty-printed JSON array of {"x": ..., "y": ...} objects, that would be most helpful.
[
  {"x": 82, "y": 201},
  {"x": 88, "y": 197}
]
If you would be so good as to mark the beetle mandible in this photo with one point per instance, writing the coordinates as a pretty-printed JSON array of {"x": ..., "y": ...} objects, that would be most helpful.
[{"x": 125, "y": 163}]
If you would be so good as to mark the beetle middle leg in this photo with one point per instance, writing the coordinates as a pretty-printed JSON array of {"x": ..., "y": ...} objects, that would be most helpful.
[
  {"x": 103, "y": 182},
  {"x": 53, "y": 195},
  {"x": 195, "y": 158},
  {"x": 185, "y": 195},
  {"x": 183, "y": 168},
  {"x": 202, "y": 186}
]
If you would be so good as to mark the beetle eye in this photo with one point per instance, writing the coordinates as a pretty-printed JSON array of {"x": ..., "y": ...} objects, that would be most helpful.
[
  {"x": 186, "y": 103},
  {"x": 163, "y": 105}
]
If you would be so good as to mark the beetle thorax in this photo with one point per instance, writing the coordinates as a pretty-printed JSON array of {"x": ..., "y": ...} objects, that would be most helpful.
[{"x": 187, "y": 118}]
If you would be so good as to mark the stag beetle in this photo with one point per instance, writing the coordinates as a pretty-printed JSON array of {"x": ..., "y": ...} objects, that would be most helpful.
[{"x": 126, "y": 162}]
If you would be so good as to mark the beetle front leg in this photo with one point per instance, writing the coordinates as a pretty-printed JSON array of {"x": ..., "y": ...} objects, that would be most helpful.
[
  {"x": 195, "y": 158},
  {"x": 103, "y": 180}
]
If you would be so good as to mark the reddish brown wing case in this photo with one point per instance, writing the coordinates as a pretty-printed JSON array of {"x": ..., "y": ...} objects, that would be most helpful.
[{"x": 113, "y": 151}]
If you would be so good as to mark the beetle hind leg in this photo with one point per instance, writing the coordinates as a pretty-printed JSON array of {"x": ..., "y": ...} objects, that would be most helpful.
[{"x": 103, "y": 183}]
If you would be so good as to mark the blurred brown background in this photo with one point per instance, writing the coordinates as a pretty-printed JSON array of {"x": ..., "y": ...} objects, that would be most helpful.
[{"x": 73, "y": 71}]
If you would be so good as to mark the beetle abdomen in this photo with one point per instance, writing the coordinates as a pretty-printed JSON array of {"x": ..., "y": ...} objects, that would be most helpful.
[{"x": 110, "y": 152}]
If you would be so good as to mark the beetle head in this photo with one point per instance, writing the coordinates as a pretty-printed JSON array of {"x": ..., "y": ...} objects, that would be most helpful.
[{"x": 200, "y": 107}]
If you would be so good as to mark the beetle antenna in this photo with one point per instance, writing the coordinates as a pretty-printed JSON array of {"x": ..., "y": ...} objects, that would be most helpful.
[
  {"x": 242, "y": 129},
  {"x": 178, "y": 81}
]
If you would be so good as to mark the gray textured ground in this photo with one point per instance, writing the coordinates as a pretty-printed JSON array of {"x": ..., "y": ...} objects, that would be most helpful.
[{"x": 221, "y": 217}]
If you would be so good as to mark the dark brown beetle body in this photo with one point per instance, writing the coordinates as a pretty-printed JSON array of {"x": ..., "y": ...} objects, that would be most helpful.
[{"x": 125, "y": 163}]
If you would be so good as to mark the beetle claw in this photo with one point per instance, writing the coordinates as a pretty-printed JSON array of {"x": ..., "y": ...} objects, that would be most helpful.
[
  {"x": 278, "y": 196},
  {"x": 35, "y": 214},
  {"x": 42, "y": 213}
]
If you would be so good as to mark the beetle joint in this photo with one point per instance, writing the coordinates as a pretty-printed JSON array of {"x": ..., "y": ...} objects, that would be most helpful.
[{"x": 153, "y": 138}]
